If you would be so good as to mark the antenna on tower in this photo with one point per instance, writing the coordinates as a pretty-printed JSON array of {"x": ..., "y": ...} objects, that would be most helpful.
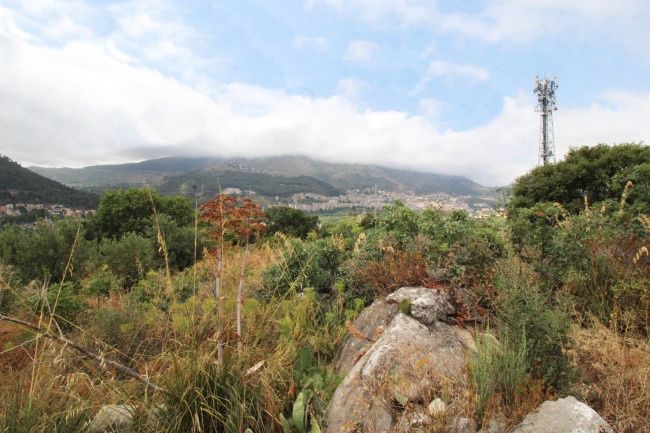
[{"x": 545, "y": 90}]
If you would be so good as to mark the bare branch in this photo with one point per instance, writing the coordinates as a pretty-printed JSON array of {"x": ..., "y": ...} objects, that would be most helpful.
[{"x": 66, "y": 342}]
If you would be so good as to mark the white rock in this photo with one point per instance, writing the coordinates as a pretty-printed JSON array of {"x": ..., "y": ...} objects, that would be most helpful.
[
  {"x": 113, "y": 418},
  {"x": 437, "y": 407},
  {"x": 566, "y": 415}
]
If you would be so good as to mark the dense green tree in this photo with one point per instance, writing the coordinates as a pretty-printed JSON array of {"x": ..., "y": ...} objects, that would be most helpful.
[
  {"x": 179, "y": 241},
  {"x": 587, "y": 171},
  {"x": 42, "y": 253},
  {"x": 130, "y": 257},
  {"x": 131, "y": 210},
  {"x": 290, "y": 221}
]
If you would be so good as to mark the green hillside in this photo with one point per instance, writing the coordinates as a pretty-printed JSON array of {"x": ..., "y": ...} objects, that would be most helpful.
[
  {"x": 20, "y": 185},
  {"x": 361, "y": 176},
  {"x": 210, "y": 181},
  {"x": 159, "y": 172}
]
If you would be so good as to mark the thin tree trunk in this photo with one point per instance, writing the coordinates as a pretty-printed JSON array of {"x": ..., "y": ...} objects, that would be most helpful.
[
  {"x": 240, "y": 295},
  {"x": 62, "y": 340},
  {"x": 217, "y": 294}
]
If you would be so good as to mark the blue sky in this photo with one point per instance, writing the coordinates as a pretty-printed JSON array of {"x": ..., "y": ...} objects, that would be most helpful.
[{"x": 441, "y": 86}]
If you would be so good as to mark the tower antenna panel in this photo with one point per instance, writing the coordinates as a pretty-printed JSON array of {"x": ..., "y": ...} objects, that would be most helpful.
[{"x": 545, "y": 90}]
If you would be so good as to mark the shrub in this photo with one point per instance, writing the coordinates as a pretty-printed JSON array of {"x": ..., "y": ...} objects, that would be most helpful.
[
  {"x": 304, "y": 264},
  {"x": 131, "y": 258},
  {"x": 532, "y": 317},
  {"x": 42, "y": 254},
  {"x": 62, "y": 300},
  {"x": 101, "y": 284},
  {"x": 396, "y": 269}
]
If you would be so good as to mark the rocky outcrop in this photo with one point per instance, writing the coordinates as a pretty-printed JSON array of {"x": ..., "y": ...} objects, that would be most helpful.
[
  {"x": 393, "y": 359},
  {"x": 405, "y": 363},
  {"x": 371, "y": 323},
  {"x": 566, "y": 415}
]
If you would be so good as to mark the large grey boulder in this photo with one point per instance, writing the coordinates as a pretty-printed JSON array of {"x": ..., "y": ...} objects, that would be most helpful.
[
  {"x": 566, "y": 415},
  {"x": 370, "y": 323},
  {"x": 427, "y": 305},
  {"x": 407, "y": 360}
]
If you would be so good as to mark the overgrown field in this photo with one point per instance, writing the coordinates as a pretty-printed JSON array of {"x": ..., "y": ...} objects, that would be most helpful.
[{"x": 566, "y": 295}]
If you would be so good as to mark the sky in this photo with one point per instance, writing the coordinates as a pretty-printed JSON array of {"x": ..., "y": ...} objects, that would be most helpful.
[{"x": 435, "y": 86}]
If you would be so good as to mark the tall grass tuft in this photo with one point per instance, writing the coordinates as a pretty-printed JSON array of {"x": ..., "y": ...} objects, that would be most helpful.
[
  {"x": 51, "y": 409},
  {"x": 213, "y": 398}
]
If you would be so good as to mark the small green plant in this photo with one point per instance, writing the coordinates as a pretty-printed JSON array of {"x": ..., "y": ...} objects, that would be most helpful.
[
  {"x": 405, "y": 306},
  {"x": 300, "y": 418},
  {"x": 499, "y": 372}
]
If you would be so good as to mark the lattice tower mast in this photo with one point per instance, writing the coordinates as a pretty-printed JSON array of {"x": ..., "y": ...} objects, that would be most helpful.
[{"x": 545, "y": 90}]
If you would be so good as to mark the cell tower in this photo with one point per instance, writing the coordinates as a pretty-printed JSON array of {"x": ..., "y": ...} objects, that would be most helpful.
[{"x": 545, "y": 89}]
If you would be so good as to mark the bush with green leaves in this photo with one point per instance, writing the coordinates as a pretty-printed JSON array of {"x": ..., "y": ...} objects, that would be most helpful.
[
  {"x": 313, "y": 263},
  {"x": 62, "y": 300},
  {"x": 590, "y": 256},
  {"x": 597, "y": 172},
  {"x": 42, "y": 253},
  {"x": 533, "y": 316},
  {"x": 291, "y": 222},
  {"x": 130, "y": 257},
  {"x": 402, "y": 244},
  {"x": 101, "y": 284},
  {"x": 179, "y": 241},
  {"x": 130, "y": 211}
]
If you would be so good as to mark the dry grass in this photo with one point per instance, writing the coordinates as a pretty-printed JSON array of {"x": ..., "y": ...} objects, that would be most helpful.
[{"x": 615, "y": 376}]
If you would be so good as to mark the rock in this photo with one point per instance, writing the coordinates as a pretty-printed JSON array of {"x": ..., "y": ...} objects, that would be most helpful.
[
  {"x": 497, "y": 424},
  {"x": 437, "y": 407},
  {"x": 408, "y": 359},
  {"x": 427, "y": 305},
  {"x": 414, "y": 421},
  {"x": 566, "y": 415},
  {"x": 370, "y": 323},
  {"x": 113, "y": 418},
  {"x": 464, "y": 425}
]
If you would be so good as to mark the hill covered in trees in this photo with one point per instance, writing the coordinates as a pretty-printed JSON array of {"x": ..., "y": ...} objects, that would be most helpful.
[
  {"x": 268, "y": 175},
  {"x": 20, "y": 185}
]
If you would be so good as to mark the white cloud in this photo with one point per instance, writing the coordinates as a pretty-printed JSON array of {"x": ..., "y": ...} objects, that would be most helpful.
[
  {"x": 451, "y": 72},
  {"x": 621, "y": 117},
  {"x": 361, "y": 51},
  {"x": 65, "y": 28},
  {"x": 431, "y": 108},
  {"x": 85, "y": 104},
  {"x": 9, "y": 28},
  {"x": 442, "y": 68},
  {"x": 317, "y": 44},
  {"x": 351, "y": 88},
  {"x": 510, "y": 21},
  {"x": 404, "y": 11}
]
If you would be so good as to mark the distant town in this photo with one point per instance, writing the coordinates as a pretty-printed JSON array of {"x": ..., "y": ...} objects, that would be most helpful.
[
  {"x": 47, "y": 212},
  {"x": 353, "y": 200},
  {"x": 367, "y": 201}
]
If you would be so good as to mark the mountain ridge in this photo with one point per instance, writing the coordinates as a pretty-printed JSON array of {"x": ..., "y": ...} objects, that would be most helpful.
[{"x": 340, "y": 176}]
